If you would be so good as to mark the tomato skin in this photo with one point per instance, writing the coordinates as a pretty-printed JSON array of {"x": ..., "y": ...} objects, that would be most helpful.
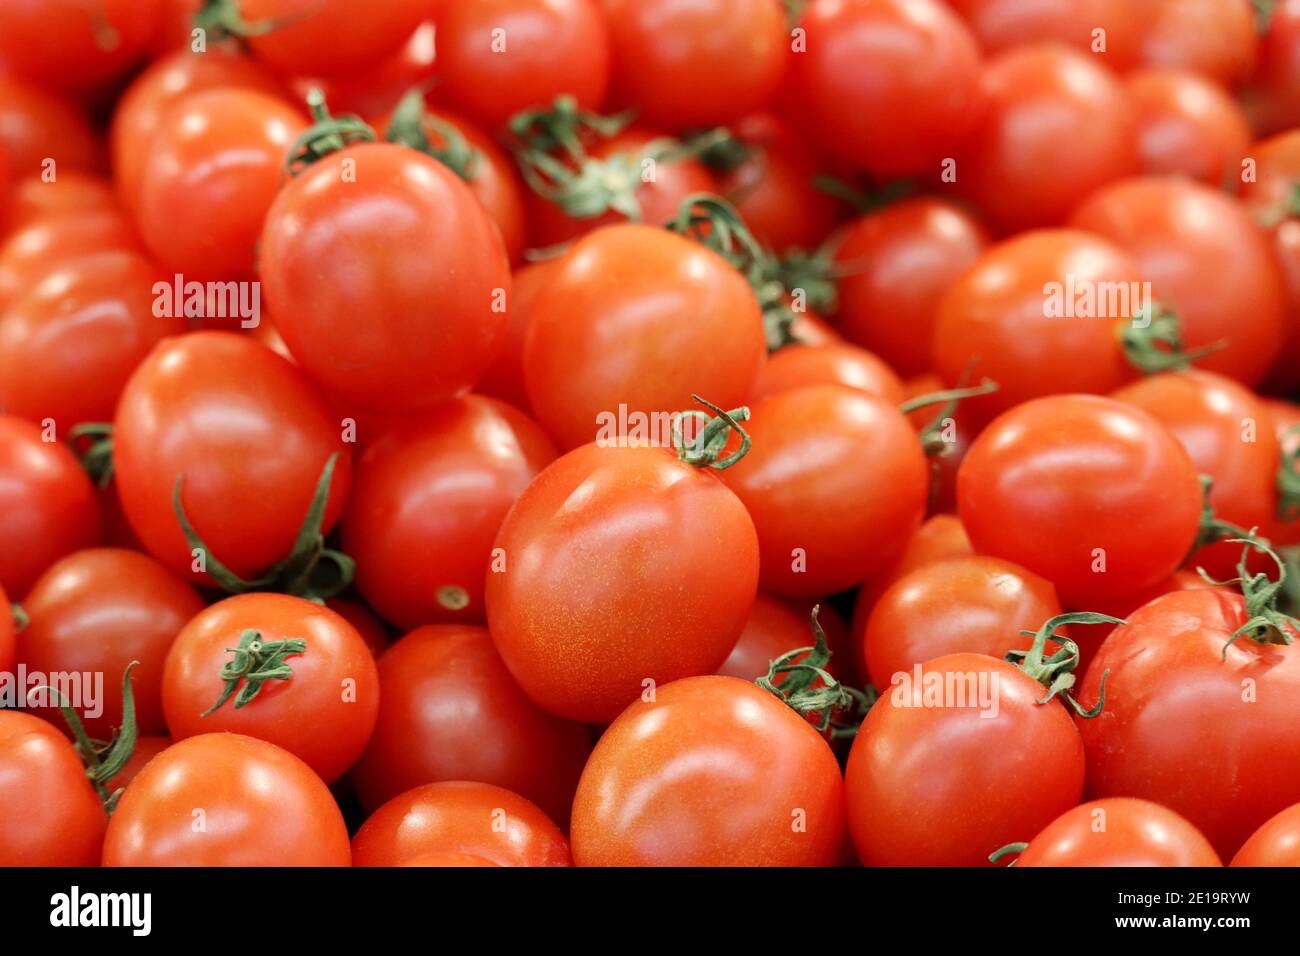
[
  {"x": 47, "y": 505},
  {"x": 973, "y": 604},
  {"x": 8, "y": 626},
  {"x": 1052, "y": 481},
  {"x": 60, "y": 43},
  {"x": 861, "y": 86},
  {"x": 323, "y": 714},
  {"x": 407, "y": 241},
  {"x": 583, "y": 617},
  {"x": 552, "y": 47},
  {"x": 1002, "y": 24},
  {"x": 913, "y": 769},
  {"x": 378, "y": 89},
  {"x": 460, "y": 817},
  {"x": 640, "y": 317},
  {"x": 1119, "y": 832},
  {"x": 37, "y": 249},
  {"x": 1213, "y": 37},
  {"x": 1168, "y": 670},
  {"x": 427, "y": 501},
  {"x": 32, "y": 198},
  {"x": 711, "y": 773},
  {"x": 796, "y": 366},
  {"x": 449, "y": 710},
  {"x": 251, "y": 438},
  {"x": 1187, "y": 125},
  {"x": 898, "y": 263},
  {"x": 330, "y": 37},
  {"x": 262, "y": 806},
  {"x": 1276, "y": 84},
  {"x": 835, "y": 481},
  {"x": 938, "y": 537},
  {"x": 1205, "y": 259},
  {"x": 1276, "y": 843},
  {"x": 504, "y": 378},
  {"x": 96, "y": 611},
  {"x": 36, "y": 125},
  {"x": 50, "y": 815}
]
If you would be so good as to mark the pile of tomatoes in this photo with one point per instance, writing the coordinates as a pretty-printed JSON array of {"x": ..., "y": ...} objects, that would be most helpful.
[{"x": 608, "y": 432}]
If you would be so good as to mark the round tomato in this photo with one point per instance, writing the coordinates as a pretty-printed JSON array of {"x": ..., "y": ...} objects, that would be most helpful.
[
  {"x": 1187, "y": 125},
  {"x": 1104, "y": 28},
  {"x": 1276, "y": 84},
  {"x": 33, "y": 198},
  {"x": 376, "y": 90},
  {"x": 37, "y": 249},
  {"x": 329, "y": 37},
  {"x": 795, "y": 366},
  {"x": 1276, "y": 843},
  {"x": 1119, "y": 832},
  {"x": 36, "y": 127},
  {"x": 73, "y": 45},
  {"x": 1214, "y": 37},
  {"x": 941, "y": 536}
]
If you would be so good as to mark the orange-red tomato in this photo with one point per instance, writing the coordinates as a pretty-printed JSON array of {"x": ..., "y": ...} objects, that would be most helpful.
[
  {"x": 504, "y": 378},
  {"x": 1187, "y": 125},
  {"x": 1107, "y": 29},
  {"x": 75, "y": 46},
  {"x": 33, "y": 198},
  {"x": 1213, "y": 37},
  {"x": 1276, "y": 843},
  {"x": 1119, "y": 832},
  {"x": 60, "y": 239},
  {"x": 36, "y": 126},
  {"x": 329, "y": 37},
  {"x": 840, "y": 364}
]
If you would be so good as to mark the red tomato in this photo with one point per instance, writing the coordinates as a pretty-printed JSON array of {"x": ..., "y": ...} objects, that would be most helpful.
[
  {"x": 1062, "y": 487},
  {"x": 1205, "y": 259},
  {"x": 460, "y": 817},
  {"x": 406, "y": 242},
  {"x": 713, "y": 772},
  {"x": 842, "y": 364},
  {"x": 956, "y": 429},
  {"x": 47, "y": 505},
  {"x": 50, "y": 814},
  {"x": 1058, "y": 125},
  {"x": 970, "y": 724},
  {"x": 1193, "y": 723},
  {"x": 33, "y": 198},
  {"x": 8, "y": 625},
  {"x": 609, "y": 584},
  {"x": 1105, "y": 28},
  {"x": 1276, "y": 843},
  {"x": 376, "y": 90},
  {"x": 250, "y": 437},
  {"x": 226, "y": 800},
  {"x": 939, "y": 537},
  {"x": 449, "y": 710},
  {"x": 504, "y": 378},
  {"x": 323, "y": 713},
  {"x": 1276, "y": 95},
  {"x": 36, "y": 126},
  {"x": 1213, "y": 37},
  {"x": 774, "y": 628},
  {"x": 372, "y": 630},
  {"x": 329, "y": 37},
  {"x": 146, "y": 748},
  {"x": 96, "y": 611},
  {"x": 1119, "y": 832},
  {"x": 632, "y": 322},
  {"x": 445, "y": 858},
  {"x": 72, "y": 45},
  {"x": 888, "y": 86},
  {"x": 1187, "y": 125},
  {"x": 34, "y": 251}
]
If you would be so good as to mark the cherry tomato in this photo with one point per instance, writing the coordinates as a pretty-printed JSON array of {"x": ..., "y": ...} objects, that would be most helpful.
[
  {"x": 36, "y": 250},
  {"x": 1213, "y": 37},
  {"x": 1187, "y": 125},
  {"x": 226, "y": 800},
  {"x": 72, "y": 45},
  {"x": 713, "y": 772},
  {"x": 1276, "y": 843},
  {"x": 372, "y": 630},
  {"x": 842, "y": 364},
  {"x": 1119, "y": 832},
  {"x": 376, "y": 90},
  {"x": 504, "y": 378},
  {"x": 36, "y": 126},
  {"x": 774, "y": 628},
  {"x": 329, "y": 37},
  {"x": 1276, "y": 84},
  {"x": 33, "y": 198},
  {"x": 1104, "y": 28},
  {"x": 941, "y": 536}
]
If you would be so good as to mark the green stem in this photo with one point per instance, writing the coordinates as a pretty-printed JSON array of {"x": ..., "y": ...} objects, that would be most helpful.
[
  {"x": 97, "y": 459},
  {"x": 1056, "y": 672},
  {"x": 327, "y": 134},
  {"x": 1213, "y": 528},
  {"x": 711, "y": 439},
  {"x": 1265, "y": 623},
  {"x": 21, "y": 620},
  {"x": 1288, "y": 476},
  {"x": 1153, "y": 342},
  {"x": 254, "y": 663},
  {"x": 410, "y": 126},
  {"x": 1016, "y": 848}
]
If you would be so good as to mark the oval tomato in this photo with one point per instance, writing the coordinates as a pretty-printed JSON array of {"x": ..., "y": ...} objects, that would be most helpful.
[
  {"x": 1119, "y": 832},
  {"x": 33, "y": 198},
  {"x": 795, "y": 366},
  {"x": 47, "y": 243},
  {"x": 1276, "y": 843},
  {"x": 328, "y": 37}
]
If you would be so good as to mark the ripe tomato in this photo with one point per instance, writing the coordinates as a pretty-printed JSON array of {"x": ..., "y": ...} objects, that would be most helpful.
[
  {"x": 376, "y": 90},
  {"x": 941, "y": 536},
  {"x": 449, "y": 710},
  {"x": 497, "y": 57},
  {"x": 1276, "y": 843},
  {"x": 796, "y": 366},
  {"x": 37, "y": 249},
  {"x": 585, "y": 616},
  {"x": 36, "y": 126},
  {"x": 1276, "y": 84},
  {"x": 96, "y": 611},
  {"x": 1213, "y": 37},
  {"x": 406, "y": 242},
  {"x": 322, "y": 711},
  {"x": 1062, "y": 487},
  {"x": 460, "y": 817},
  {"x": 714, "y": 772},
  {"x": 972, "y": 604},
  {"x": 329, "y": 37},
  {"x": 47, "y": 505},
  {"x": 250, "y": 437},
  {"x": 427, "y": 501},
  {"x": 835, "y": 482},
  {"x": 8, "y": 625},
  {"x": 1205, "y": 259},
  {"x": 633, "y": 321},
  {"x": 1187, "y": 125},
  {"x": 1119, "y": 832},
  {"x": 1057, "y": 126},
  {"x": 226, "y": 800},
  {"x": 1193, "y": 723},
  {"x": 1104, "y": 28},
  {"x": 504, "y": 378},
  {"x": 50, "y": 814},
  {"x": 445, "y": 858},
  {"x": 33, "y": 198},
  {"x": 888, "y": 86},
  {"x": 774, "y": 628},
  {"x": 72, "y": 45}
]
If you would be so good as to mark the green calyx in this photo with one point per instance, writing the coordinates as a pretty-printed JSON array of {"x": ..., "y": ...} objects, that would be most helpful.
[
  {"x": 810, "y": 689},
  {"x": 97, "y": 458},
  {"x": 254, "y": 663},
  {"x": 1265, "y": 623},
  {"x": 711, "y": 436},
  {"x": 411, "y": 125},
  {"x": 865, "y": 201},
  {"x": 327, "y": 134},
  {"x": 221, "y": 18},
  {"x": 1263, "y": 10},
  {"x": 932, "y": 439},
  {"x": 812, "y": 275},
  {"x": 20, "y": 618},
  {"x": 311, "y": 570},
  {"x": 1288, "y": 476},
  {"x": 1056, "y": 672},
  {"x": 1009, "y": 849},
  {"x": 1153, "y": 342},
  {"x": 1213, "y": 528}
]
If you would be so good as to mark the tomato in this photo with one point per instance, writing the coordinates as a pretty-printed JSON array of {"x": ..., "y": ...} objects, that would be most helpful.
[
  {"x": 685, "y": 63},
  {"x": 1276, "y": 843},
  {"x": 329, "y": 37},
  {"x": 35, "y": 250},
  {"x": 323, "y": 712},
  {"x": 623, "y": 567},
  {"x": 1276, "y": 84},
  {"x": 372, "y": 630},
  {"x": 1057, "y": 126},
  {"x": 956, "y": 428},
  {"x": 445, "y": 858},
  {"x": 226, "y": 800},
  {"x": 895, "y": 266},
  {"x": 1205, "y": 260},
  {"x": 941, "y": 536},
  {"x": 1181, "y": 701},
  {"x": 248, "y": 434},
  {"x": 1213, "y": 37},
  {"x": 504, "y": 378},
  {"x": 47, "y": 505},
  {"x": 1062, "y": 487},
  {"x": 94, "y": 612},
  {"x": 406, "y": 241},
  {"x": 69, "y": 345},
  {"x": 50, "y": 814},
  {"x": 460, "y": 817},
  {"x": 1119, "y": 832},
  {"x": 8, "y": 626},
  {"x": 888, "y": 86},
  {"x": 836, "y": 480},
  {"x": 929, "y": 746},
  {"x": 1104, "y": 28},
  {"x": 497, "y": 57},
  {"x": 146, "y": 748},
  {"x": 33, "y": 198},
  {"x": 972, "y": 604},
  {"x": 449, "y": 710},
  {"x": 36, "y": 126},
  {"x": 427, "y": 501},
  {"x": 774, "y": 628},
  {"x": 376, "y": 90},
  {"x": 798, "y": 365},
  {"x": 1187, "y": 125},
  {"x": 633, "y": 321},
  {"x": 72, "y": 45},
  {"x": 713, "y": 772}
]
